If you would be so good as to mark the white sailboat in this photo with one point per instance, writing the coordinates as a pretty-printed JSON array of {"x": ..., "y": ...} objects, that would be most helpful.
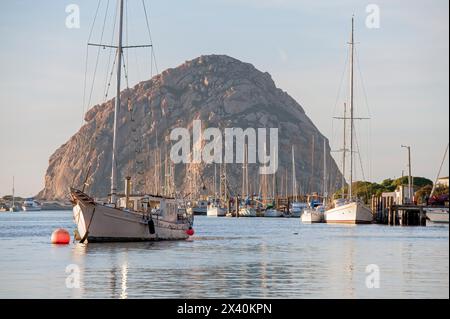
[
  {"x": 127, "y": 217},
  {"x": 351, "y": 211},
  {"x": 297, "y": 208},
  {"x": 246, "y": 209},
  {"x": 215, "y": 208},
  {"x": 13, "y": 207},
  {"x": 316, "y": 214}
]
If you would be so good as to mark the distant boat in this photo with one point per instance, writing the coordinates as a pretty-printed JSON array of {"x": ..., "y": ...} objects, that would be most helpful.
[
  {"x": 13, "y": 207},
  {"x": 352, "y": 211},
  {"x": 297, "y": 209},
  {"x": 437, "y": 215},
  {"x": 200, "y": 208},
  {"x": 271, "y": 212},
  {"x": 247, "y": 211},
  {"x": 313, "y": 215},
  {"x": 215, "y": 210},
  {"x": 30, "y": 205}
]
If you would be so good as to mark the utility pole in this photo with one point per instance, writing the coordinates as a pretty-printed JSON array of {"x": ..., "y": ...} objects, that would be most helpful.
[{"x": 409, "y": 173}]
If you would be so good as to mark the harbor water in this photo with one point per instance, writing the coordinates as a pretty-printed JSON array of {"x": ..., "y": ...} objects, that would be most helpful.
[{"x": 227, "y": 258}]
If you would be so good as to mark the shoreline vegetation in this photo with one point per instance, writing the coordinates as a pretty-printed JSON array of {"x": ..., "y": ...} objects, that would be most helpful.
[{"x": 363, "y": 190}]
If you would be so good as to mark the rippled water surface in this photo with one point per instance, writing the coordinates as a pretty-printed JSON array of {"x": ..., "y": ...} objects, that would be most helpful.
[{"x": 230, "y": 258}]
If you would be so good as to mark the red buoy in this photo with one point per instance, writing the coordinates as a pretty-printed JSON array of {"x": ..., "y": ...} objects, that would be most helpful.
[
  {"x": 190, "y": 231},
  {"x": 60, "y": 237}
]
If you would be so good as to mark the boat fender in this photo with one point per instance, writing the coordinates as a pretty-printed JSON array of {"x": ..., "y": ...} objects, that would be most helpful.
[{"x": 151, "y": 226}]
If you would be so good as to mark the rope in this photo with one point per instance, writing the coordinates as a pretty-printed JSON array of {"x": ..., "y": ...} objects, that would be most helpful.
[
  {"x": 108, "y": 83},
  {"x": 98, "y": 54},
  {"x": 150, "y": 36},
  {"x": 87, "y": 60}
]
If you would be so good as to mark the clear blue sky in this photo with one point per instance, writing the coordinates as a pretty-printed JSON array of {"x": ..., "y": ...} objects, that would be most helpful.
[{"x": 302, "y": 44}]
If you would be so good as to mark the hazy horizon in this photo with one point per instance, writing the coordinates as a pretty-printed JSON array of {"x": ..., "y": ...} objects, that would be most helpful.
[{"x": 302, "y": 44}]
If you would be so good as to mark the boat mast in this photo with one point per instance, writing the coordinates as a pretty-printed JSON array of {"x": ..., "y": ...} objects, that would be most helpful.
[
  {"x": 344, "y": 151},
  {"x": 352, "y": 48},
  {"x": 13, "y": 190},
  {"x": 116, "y": 107},
  {"x": 294, "y": 182},
  {"x": 325, "y": 188}
]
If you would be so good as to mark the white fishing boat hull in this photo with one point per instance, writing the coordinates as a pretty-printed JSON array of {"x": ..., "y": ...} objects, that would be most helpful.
[
  {"x": 351, "y": 213},
  {"x": 100, "y": 223},
  {"x": 272, "y": 213},
  {"x": 216, "y": 212},
  {"x": 438, "y": 215},
  {"x": 310, "y": 216},
  {"x": 247, "y": 212}
]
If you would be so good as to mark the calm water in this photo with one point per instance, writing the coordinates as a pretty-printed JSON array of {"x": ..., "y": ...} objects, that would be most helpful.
[{"x": 230, "y": 258}]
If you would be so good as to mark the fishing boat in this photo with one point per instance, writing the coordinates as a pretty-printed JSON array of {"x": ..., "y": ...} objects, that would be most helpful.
[
  {"x": 127, "y": 217},
  {"x": 30, "y": 205},
  {"x": 353, "y": 210}
]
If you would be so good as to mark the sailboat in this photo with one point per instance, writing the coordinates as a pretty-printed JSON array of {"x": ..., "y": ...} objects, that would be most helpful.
[
  {"x": 246, "y": 209},
  {"x": 297, "y": 208},
  {"x": 215, "y": 209},
  {"x": 315, "y": 213},
  {"x": 350, "y": 210},
  {"x": 272, "y": 210},
  {"x": 127, "y": 217},
  {"x": 13, "y": 207}
]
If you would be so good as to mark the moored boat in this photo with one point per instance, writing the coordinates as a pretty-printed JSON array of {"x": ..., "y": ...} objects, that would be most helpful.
[
  {"x": 297, "y": 209},
  {"x": 127, "y": 217},
  {"x": 438, "y": 215},
  {"x": 272, "y": 212},
  {"x": 247, "y": 212},
  {"x": 352, "y": 212},
  {"x": 215, "y": 210},
  {"x": 30, "y": 205}
]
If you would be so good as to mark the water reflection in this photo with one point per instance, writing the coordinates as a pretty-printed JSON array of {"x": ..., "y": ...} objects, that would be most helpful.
[{"x": 230, "y": 258}]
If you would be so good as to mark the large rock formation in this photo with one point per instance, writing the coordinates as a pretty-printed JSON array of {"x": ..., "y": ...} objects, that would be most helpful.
[{"x": 219, "y": 90}]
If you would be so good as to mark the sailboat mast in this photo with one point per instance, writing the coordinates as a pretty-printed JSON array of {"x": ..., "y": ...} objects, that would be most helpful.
[
  {"x": 352, "y": 48},
  {"x": 325, "y": 188},
  {"x": 116, "y": 107},
  {"x": 294, "y": 186},
  {"x": 13, "y": 194},
  {"x": 344, "y": 151}
]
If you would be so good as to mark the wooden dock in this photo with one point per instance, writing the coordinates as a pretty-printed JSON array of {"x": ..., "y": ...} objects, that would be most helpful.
[{"x": 387, "y": 212}]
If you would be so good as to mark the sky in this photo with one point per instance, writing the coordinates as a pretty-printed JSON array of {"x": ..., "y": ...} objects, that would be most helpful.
[{"x": 403, "y": 65}]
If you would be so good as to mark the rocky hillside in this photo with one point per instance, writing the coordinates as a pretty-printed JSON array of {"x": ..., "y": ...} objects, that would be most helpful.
[{"x": 220, "y": 91}]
